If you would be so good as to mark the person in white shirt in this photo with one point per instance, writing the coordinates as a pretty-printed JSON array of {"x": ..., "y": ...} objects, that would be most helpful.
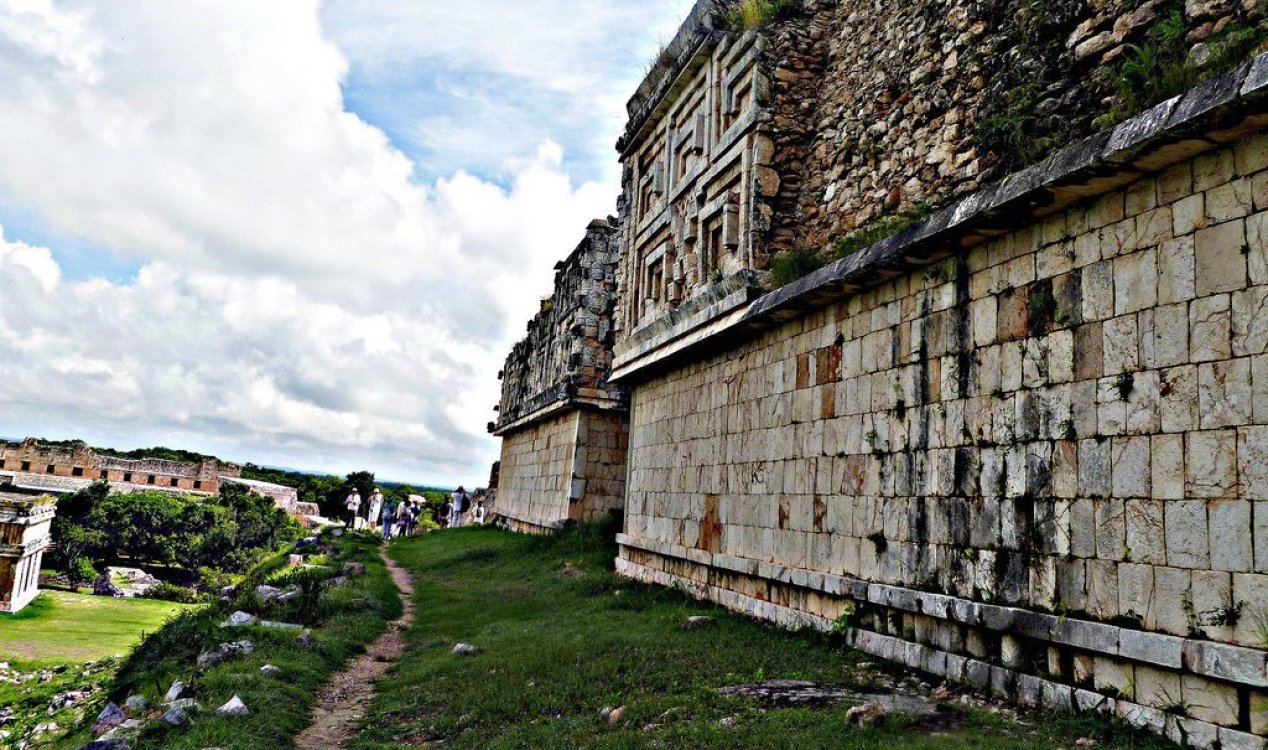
[
  {"x": 376, "y": 507},
  {"x": 353, "y": 504},
  {"x": 461, "y": 501},
  {"x": 477, "y": 517}
]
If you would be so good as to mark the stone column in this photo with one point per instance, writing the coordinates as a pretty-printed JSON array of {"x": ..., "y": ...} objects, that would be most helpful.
[{"x": 24, "y": 534}]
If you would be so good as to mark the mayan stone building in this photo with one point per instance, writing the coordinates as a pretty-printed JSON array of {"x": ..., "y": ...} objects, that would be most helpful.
[
  {"x": 66, "y": 468},
  {"x": 563, "y": 427},
  {"x": 24, "y": 535},
  {"x": 1015, "y": 431}
]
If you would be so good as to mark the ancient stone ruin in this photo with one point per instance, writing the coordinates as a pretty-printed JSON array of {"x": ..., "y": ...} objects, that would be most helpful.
[
  {"x": 32, "y": 465},
  {"x": 1015, "y": 432},
  {"x": 24, "y": 535},
  {"x": 563, "y": 427}
]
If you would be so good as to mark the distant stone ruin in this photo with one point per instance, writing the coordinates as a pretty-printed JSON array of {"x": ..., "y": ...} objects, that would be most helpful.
[
  {"x": 32, "y": 465},
  {"x": 563, "y": 427},
  {"x": 24, "y": 535}
]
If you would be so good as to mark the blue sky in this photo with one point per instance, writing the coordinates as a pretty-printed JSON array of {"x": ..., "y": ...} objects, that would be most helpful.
[{"x": 299, "y": 233}]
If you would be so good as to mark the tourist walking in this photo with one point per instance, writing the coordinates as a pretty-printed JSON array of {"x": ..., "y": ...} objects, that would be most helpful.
[
  {"x": 461, "y": 500},
  {"x": 402, "y": 518},
  {"x": 386, "y": 521},
  {"x": 411, "y": 519},
  {"x": 477, "y": 517},
  {"x": 376, "y": 508},
  {"x": 353, "y": 506},
  {"x": 443, "y": 513}
]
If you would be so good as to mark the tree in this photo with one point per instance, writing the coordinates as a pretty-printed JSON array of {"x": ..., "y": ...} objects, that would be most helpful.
[{"x": 363, "y": 481}]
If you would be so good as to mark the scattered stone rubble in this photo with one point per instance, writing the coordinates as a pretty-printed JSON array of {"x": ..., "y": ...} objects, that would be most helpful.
[{"x": 123, "y": 582}]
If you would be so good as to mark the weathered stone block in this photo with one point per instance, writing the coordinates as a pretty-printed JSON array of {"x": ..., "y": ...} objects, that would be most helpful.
[
  {"x": 1187, "y": 539},
  {"x": 1121, "y": 346},
  {"x": 1211, "y": 466},
  {"x": 1210, "y": 701},
  {"x": 1229, "y": 201},
  {"x": 1188, "y": 214},
  {"x": 1173, "y": 587},
  {"x": 1157, "y": 688},
  {"x": 1220, "y": 258},
  {"x": 1250, "y": 592},
  {"x": 1113, "y": 677},
  {"x": 1224, "y": 393},
  {"x": 1210, "y": 329},
  {"x": 1165, "y": 336},
  {"x": 1130, "y": 467},
  {"x": 1178, "y": 402},
  {"x": 1152, "y": 648},
  {"x": 1135, "y": 282},
  {"x": 1176, "y": 271},
  {"x": 1146, "y": 542},
  {"x": 1230, "y": 530}
]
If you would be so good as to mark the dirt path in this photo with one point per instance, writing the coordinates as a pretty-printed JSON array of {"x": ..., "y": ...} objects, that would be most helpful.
[{"x": 342, "y": 702}]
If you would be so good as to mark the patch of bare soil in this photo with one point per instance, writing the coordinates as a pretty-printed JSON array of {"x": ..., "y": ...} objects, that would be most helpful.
[{"x": 343, "y": 701}]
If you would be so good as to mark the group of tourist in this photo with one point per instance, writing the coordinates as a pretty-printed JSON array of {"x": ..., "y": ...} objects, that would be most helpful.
[
  {"x": 454, "y": 511},
  {"x": 402, "y": 518}
]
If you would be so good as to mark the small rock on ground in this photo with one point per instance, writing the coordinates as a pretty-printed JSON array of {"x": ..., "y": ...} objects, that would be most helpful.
[
  {"x": 699, "y": 621},
  {"x": 465, "y": 649},
  {"x": 110, "y": 717},
  {"x": 867, "y": 715},
  {"x": 235, "y": 707},
  {"x": 174, "y": 716}
]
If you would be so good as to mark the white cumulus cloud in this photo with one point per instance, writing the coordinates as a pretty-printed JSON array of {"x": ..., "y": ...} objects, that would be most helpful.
[{"x": 304, "y": 297}]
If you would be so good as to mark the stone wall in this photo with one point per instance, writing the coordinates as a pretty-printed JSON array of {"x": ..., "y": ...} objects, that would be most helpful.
[
  {"x": 568, "y": 468},
  {"x": 67, "y": 468},
  {"x": 559, "y": 416},
  {"x": 879, "y": 107},
  {"x": 1022, "y": 444},
  {"x": 567, "y": 353}
]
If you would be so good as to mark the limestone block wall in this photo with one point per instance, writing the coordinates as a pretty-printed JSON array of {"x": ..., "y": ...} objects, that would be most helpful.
[
  {"x": 1040, "y": 465},
  {"x": 560, "y": 419},
  {"x": 567, "y": 468}
]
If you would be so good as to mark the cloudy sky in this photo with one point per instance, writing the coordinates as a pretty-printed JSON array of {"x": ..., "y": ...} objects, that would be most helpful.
[{"x": 296, "y": 232}]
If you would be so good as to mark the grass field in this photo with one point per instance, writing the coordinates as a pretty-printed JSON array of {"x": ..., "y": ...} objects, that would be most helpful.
[
  {"x": 64, "y": 628},
  {"x": 555, "y": 650}
]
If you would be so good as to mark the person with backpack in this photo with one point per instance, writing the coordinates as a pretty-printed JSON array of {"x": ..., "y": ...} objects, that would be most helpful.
[
  {"x": 386, "y": 521},
  {"x": 460, "y": 503}
]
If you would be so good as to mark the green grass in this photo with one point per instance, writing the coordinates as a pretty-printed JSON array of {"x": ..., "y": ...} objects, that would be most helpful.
[
  {"x": 344, "y": 620},
  {"x": 556, "y": 650},
  {"x": 64, "y": 628}
]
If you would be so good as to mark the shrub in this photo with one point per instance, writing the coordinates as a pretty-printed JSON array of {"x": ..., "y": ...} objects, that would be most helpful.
[
  {"x": 81, "y": 570},
  {"x": 757, "y": 14},
  {"x": 790, "y": 265},
  {"x": 169, "y": 592}
]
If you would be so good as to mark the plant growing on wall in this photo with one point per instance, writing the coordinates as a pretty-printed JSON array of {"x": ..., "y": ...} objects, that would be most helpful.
[
  {"x": 790, "y": 265},
  {"x": 757, "y": 14}
]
